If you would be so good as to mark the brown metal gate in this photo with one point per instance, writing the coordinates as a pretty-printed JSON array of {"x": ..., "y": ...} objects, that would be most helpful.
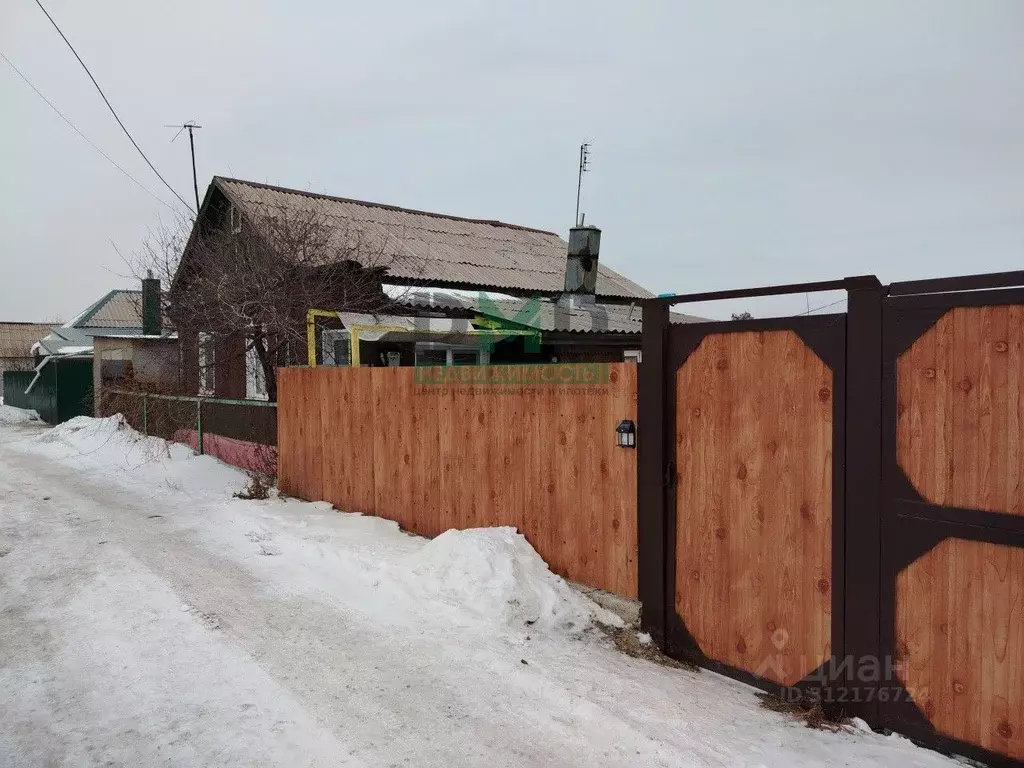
[
  {"x": 755, "y": 570},
  {"x": 833, "y": 507},
  {"x": 952, "y": 548}
]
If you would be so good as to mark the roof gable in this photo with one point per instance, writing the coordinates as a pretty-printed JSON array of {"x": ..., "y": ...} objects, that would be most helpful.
[{"x": 118, "y": 309}]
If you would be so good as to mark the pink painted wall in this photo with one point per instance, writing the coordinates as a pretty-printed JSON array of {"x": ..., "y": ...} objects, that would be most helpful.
[{"x": 239, "y": 453}]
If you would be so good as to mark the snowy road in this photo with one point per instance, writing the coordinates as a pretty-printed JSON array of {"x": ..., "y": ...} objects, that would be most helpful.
[{"x": 147, "y": 618}]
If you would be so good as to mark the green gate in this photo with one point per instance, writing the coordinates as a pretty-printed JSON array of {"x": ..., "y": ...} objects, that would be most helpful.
[{"x": 62, "y": 391}]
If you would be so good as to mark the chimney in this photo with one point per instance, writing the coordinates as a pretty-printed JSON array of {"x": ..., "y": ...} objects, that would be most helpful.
[
  {"x": 151, "y": 321},
  {"x": 581, "y": 262}
]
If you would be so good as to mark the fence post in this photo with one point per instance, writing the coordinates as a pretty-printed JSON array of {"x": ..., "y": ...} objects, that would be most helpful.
[
  {"x": 145, "y": 414},
  {"x": 199, "y": 424},
  {"x": 863, "y": 530},
  {"x": 651, "y": 467}
]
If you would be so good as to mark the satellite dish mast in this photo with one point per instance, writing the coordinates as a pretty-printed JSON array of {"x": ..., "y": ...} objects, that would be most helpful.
[{"x": 584, "y": 167}]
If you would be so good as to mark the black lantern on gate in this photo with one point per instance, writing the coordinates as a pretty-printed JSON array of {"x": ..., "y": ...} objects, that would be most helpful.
[{"x": 625, "y": 434}]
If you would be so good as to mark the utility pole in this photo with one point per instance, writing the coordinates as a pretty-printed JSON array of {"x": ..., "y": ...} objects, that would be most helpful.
[
  {"x": 584, "y": 158},
  {"x": 190, "y": 126}
]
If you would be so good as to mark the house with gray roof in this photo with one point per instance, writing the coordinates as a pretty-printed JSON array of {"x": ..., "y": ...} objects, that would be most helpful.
[
  {"x": 16, "y": 341},
  {"x": 62, "y": 383},
  {"x": 118, "y": 313},
  {"x": 579, "y": 307}
]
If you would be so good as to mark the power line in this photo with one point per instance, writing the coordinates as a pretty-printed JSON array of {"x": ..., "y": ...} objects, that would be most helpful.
[
  {"x": 818, "y": 309},
  {"x": 111, "y": 108},
  {"x": 89, "y": 141}
]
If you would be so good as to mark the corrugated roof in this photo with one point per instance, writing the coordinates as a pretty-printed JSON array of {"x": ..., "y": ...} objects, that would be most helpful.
[
  {"x": 64, "y": 337},
  {"x": 434, "y": 249},
  {"x": 405, "y": 323},
  {"x": 118, "y": 309},
  {"x": 546, "y": 314},
  {"x": 16, "y": 339}
]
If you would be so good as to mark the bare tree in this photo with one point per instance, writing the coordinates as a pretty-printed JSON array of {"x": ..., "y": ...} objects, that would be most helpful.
[{"x": 247, "y": 283}]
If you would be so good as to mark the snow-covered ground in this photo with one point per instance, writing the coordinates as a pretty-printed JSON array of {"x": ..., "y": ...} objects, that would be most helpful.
[
  {"x": 149, "y": 618},
  {"x": 10, "y": 415}
]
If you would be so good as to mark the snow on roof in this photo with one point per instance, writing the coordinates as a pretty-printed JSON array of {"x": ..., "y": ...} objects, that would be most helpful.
[{"x": 569, "y": 314}]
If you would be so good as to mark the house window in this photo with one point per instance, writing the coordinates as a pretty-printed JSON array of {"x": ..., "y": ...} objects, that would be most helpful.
[
  {"x": 465, "y": 357},
  {"x": 431, "y": 356},
  {"x": 113, "y": 366},
  {"x": 236, "y": 220},
  {"x": 284, "y": 354},
  {"x": 633, "y": 356},
  {"x": 335, "y": 347},
  {"x": 207, "y": 364},
  {"x": 434, "y": 353},
  {"x": 255, "y": 379}
]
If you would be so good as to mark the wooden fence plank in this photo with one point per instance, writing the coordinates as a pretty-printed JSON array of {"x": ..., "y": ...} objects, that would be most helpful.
[
  {"x": 346, "y": 436},
  {"x": 314, "y": 432},
  {"x": 290, "y": 458}
]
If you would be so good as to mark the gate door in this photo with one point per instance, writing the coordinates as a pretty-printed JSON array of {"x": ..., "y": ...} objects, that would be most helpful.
[
  {"x": 754, "y": 567},
  {"x": 952, "y": 602}
]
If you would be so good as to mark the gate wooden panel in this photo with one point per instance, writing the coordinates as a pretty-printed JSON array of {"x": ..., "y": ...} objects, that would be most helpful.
[
  {"x": 755, "y": 584},
  {"x": 952, "y": 605}
]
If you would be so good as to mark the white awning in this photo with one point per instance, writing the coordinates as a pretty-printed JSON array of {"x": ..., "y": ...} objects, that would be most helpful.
[{"x": 375, "y": 327}]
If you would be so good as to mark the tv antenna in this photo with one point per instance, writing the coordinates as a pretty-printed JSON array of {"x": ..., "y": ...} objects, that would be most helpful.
[
  {"x": 190, "y": 126},
  {"x": 584, "y": 159}
]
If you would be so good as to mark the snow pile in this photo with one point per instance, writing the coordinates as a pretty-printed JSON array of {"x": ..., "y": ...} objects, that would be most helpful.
[
  {"x": 495, "y": 573},
  {"x": 109, "y": 443},
  {"x": 118, "y": 453},
  {"x": 87, "y": 433},
  {"x": 489, "y": 574},
  {"x": 11, "y": 415}
]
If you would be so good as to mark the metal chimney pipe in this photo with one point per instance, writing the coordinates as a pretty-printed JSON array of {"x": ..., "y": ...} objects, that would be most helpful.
[{"x": 581, "y": 261}]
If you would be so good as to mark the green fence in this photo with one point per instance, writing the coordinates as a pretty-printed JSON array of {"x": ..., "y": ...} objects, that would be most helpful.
[
  {"x": 63, "y": 391},
  {"x": 15, "y": 384}
]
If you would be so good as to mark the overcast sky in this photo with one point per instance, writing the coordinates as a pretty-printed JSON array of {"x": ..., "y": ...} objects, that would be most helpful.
[{"x": 734, "y": 143}]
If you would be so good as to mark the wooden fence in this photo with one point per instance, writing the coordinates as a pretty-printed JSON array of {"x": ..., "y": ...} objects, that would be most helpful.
[
  {"x": 527, "y": 446},
  {"x": 830, "y": 507}
]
